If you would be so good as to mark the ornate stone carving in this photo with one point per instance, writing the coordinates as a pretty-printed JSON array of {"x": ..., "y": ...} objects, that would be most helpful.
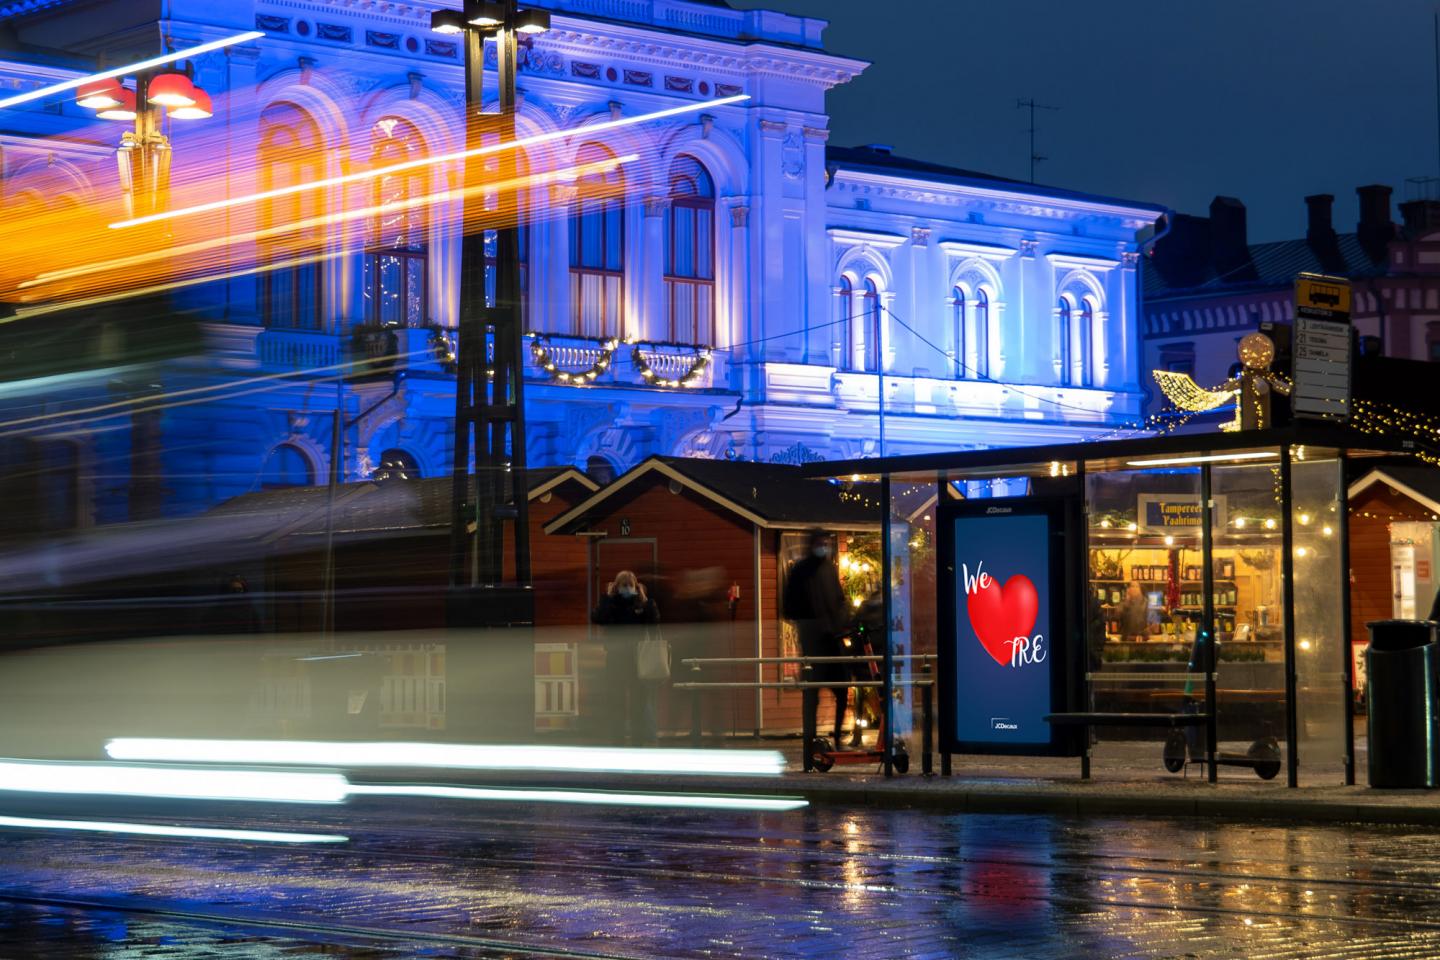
[
  {"x": 740, "y": 216},
  {"x": 792, "y": 157},
  {"x": 920, "y": 236},
  {"x": 773, "y": 126},
  {"x": 816, "y": 133}
]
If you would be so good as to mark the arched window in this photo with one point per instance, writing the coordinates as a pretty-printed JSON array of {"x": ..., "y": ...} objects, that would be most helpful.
[
  {"x": 1086, "y": 338},
  {"x": 396, "y": 465},
  {"x": 690, "y": 254},
  {"x": 1063, "y": 334},
  {"x": 395, "y": 250},
  {"x": 289, "y": 155},
  {"x": 963, "y": 367},
  {"x": 846, "y": 319},
  {"x": 286, "y": 467},
  {"x": 597, "y": 248},
  {"x": 981, "y": 328}
]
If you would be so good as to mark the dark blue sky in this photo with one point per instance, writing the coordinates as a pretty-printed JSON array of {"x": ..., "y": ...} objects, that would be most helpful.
[{"x": 1170, "y": 101}]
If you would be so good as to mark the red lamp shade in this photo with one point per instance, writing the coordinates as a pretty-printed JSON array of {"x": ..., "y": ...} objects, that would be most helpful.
[
  {"x": 171, "y": 90},
  {"x": 199, "y": 110},
  {"x": 100, "y": 94},
  {"x": 124, "y": 108}
]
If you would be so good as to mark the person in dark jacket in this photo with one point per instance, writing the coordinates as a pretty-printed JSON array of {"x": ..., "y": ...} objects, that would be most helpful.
[
  {"x": 815, "y": 603},
  {"x": 627, "y": 614}
]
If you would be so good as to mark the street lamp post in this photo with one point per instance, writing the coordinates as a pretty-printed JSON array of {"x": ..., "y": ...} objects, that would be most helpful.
[
  {"x": 144, "y": 160},
  {"x": 489, "y": 382}
]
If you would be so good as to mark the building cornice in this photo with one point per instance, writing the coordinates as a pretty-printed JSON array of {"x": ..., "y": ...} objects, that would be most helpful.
[
  {"x": 1001, "y": 199},
  {"x": 1081, "y": 261}
]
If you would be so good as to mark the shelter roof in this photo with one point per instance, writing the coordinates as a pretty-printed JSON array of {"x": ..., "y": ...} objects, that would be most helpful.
[{"x": 1114, "y": 454}]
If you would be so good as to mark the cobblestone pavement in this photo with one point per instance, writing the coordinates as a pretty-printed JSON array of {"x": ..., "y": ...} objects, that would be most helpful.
[{"x": 452, "y": 879}]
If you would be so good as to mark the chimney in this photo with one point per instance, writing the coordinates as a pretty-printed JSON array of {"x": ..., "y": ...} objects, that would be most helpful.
[
  {"x": 1321, "y": 229},
  {"x": 1229, "y": 249},
  {"x": 1320, "y": 234},
  {"x": 1421, "y": 217},
  {"x": 1375, "y": 230}
]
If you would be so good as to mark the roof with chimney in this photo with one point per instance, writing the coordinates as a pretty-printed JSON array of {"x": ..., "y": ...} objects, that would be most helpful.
[{"x": 1209, "y": 256}]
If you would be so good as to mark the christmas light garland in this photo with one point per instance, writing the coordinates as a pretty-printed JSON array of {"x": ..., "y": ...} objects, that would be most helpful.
[
  {"x": 540, "y": 349},
  {"x": 697, "y": 367}
]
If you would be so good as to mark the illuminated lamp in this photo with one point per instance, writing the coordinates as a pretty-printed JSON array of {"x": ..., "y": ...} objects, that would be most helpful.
[
  {"x": 201, "y": 109},
  {"x": 171, "y": 90},
  {"x": 100, "y": 94},
  {"x": 532, "y": 21},
  {"x": 488, "y": 14},
  {"x": 123, "y": 110},
  {"x": 447, "y": 21}
]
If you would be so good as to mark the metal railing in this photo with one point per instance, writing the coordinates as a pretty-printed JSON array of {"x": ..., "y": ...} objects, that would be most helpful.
[{"x": 809, "y": 690}]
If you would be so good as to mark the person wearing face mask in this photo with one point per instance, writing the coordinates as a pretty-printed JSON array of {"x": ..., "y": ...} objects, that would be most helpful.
[
  {"x": 627, "y": 614},
  {"x": 815, "y": 603}
]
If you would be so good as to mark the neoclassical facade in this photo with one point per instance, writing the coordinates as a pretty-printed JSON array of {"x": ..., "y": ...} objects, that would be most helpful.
[{"x": 742, "y": 289}]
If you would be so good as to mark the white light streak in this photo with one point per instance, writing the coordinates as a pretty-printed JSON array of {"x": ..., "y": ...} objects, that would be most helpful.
[
  {"x": 487, "y": 150},
  {"x": 160, "y": 830},
  {"x": 457, "y": 756},
  {"x": 78, "y": 82},
  {"x": 186, "y": 783},
  {"x": 1214, "y": 458},
  {"x": 672, "y": 801}
]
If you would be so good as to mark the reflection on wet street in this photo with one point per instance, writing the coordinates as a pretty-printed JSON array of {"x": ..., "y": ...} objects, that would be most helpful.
[{"x": 492, "y": 881}]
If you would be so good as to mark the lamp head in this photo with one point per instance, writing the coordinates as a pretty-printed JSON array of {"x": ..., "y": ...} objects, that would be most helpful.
[
  {"x": 124, "y": 108},
  {"x": 100, "y": 94},
  {"x": 447, "y": 21},
  {"x": 487, "y": 13},
  {"x": 199, "y": 110},
  {"x": 532, "y": 21},
  {"x": 171, "y": 90}
]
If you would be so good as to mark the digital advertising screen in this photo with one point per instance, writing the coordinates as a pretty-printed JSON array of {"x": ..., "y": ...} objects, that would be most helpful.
[{"x": 1003, "y": 600}]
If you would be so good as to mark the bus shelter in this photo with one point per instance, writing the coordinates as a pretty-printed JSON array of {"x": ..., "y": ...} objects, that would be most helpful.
[{"x": 1196, "y": 583}]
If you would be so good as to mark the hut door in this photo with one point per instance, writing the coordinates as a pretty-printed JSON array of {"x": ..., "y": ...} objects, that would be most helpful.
[{"x": 636, "y": 555}]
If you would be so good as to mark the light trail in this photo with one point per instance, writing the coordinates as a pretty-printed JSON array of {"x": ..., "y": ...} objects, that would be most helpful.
[
  {"x": 180, "y": 783},
  {"x": 491, "y": 149},
  {"x": 78, "y": 82},
  {"x": 331, "y": 219},
  {"x": 159, "y": 830},
  {"x": 668, "y": 801},
  {"x": 454, "y": 756}
]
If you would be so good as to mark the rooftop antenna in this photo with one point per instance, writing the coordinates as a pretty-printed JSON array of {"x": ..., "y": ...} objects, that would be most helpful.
[{"x": 1033, "y": 106}]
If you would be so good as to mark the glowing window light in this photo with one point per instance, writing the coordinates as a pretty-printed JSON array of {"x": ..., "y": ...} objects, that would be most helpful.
[
  {"x": 539, "y": 138},
  {"x": 459, "y": 756},
  {"x": 160, "y": 830},
  {"x": 38, "y": 776},
  {"x": 589, "y": 797},
  {"x": 1212, "y": 458},
  {"x": 188, "y": 52}
]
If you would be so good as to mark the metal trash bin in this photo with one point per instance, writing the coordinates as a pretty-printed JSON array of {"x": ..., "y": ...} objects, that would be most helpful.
[{"x": 1403, "y": 724}]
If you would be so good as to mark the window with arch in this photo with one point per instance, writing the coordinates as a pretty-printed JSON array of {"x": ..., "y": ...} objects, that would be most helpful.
[
  {"x": 290, "y": 155},
  {"x": 690, "y": 253},
  {"x": 286, "y": 467},
  {"x": 1063, "y": 336},
  {"x": 597, "y": 247},
  {"x": 395, "y": 252},
  {"x": 980, "y": 326}
]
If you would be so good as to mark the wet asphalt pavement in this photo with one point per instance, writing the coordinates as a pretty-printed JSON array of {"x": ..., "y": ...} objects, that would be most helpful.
[{"x": 458, "y": 879}]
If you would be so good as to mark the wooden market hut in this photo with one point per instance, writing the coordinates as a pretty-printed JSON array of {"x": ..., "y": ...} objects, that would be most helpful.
[{"x": 713, "y": 539}]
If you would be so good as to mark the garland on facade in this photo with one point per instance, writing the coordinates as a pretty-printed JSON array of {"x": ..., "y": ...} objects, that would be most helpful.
[
  {"x": 540, "y": 350},
  {"x": 697, "y": 367}
]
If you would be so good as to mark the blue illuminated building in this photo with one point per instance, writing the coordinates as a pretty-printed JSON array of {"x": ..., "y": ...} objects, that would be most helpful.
[{"x": 999, "y": 312}]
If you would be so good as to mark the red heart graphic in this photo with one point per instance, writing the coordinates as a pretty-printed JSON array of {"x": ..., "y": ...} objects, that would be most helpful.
[{"x": 1000, "y": 614}]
